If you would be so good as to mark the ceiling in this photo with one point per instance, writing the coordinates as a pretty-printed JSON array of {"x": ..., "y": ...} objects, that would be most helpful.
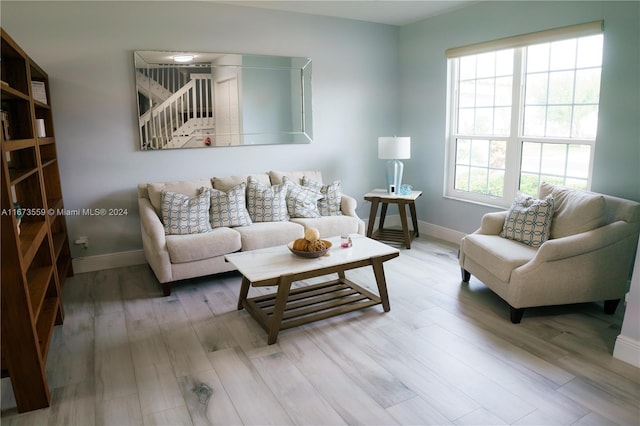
[{"x": 392, "y": 12}]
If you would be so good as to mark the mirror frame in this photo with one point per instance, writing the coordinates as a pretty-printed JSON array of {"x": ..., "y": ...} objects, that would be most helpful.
[{"x": 255, "y": 85}]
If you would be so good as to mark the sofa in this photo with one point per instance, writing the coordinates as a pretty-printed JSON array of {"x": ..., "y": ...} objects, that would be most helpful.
[
  {"x": 567, "y": 246},
  {"x": 188, "y": 226}
]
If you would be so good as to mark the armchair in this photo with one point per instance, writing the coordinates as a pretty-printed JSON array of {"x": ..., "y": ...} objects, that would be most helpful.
[{"x": 588, "y": 256}]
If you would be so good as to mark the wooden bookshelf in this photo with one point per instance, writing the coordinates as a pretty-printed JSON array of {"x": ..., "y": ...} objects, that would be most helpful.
[{"x": 36, "y": 257}]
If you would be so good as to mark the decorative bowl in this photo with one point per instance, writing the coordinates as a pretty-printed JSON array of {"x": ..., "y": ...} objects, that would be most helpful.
[{"x": 310, "y": 254}]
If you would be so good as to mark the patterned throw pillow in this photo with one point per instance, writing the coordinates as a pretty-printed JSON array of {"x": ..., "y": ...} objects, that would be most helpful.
[
  {"x": 529, "y": 220},
  {"x": 302, "y": 201},
  {"x": 182, "y": 214},
  {"x": 266, "y": 203},
  {"x": 229, "y": 208},
  {"x": 330, "y": 204}
]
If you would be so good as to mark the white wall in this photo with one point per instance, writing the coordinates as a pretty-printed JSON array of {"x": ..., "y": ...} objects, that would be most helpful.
[{"x": 87, "y": 50}]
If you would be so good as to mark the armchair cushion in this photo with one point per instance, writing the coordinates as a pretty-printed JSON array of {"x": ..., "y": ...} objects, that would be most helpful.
[
  {"x": 529, "y": 220},
  {"x": 576, "y": 211},
  {"x": 501, "y": 254}
]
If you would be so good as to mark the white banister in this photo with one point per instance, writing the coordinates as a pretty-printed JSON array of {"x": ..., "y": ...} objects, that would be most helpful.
[{"x": 177, "y": 119}]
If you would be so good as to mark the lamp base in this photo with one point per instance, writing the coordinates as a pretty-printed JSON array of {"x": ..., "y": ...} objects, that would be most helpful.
[{"x": 394, "y": 176}]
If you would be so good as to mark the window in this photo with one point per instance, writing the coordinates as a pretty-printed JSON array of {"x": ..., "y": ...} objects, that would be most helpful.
[{"x": 521, "y": 111}]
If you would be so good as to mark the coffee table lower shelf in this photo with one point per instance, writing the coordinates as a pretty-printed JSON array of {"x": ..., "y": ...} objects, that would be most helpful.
[{"x": 311, "y": 303}]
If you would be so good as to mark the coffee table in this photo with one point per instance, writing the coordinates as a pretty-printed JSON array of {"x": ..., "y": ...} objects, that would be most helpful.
[{"x": 277, "y": 266}]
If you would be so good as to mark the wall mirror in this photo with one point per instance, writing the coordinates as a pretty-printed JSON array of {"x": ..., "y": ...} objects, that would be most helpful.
[{"x": 196, "y": 100}]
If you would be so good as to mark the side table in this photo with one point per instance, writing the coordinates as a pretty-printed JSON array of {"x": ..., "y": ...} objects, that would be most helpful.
[{"x": 403, "y": 236}]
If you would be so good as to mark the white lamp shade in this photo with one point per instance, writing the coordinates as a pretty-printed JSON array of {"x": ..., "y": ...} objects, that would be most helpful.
[{"x": 394, "y": 148}]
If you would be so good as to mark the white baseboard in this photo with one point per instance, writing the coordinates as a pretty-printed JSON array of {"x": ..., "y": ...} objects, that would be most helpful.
[
  {"x": 627, "y": 350},
  {"x": 108, "y": 261}
]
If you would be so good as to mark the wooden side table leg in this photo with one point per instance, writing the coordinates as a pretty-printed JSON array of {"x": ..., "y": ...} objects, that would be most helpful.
[
  {"x": 405, "y": 226},
  {"x": 378, "y": 270},
  {"x": 414, "y": 218},
  {"x": 383, "y": 214},
  {"x": 244, "y": 291},
  {"x": 278, "y": 309},
  {"x": 372, "y": 215}
]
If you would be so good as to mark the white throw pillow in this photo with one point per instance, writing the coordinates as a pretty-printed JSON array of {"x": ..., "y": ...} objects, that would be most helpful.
[
  {"x": 229, "y": 208},
  {"x": 302, "y": 201},
  {"x": 329, "y": 205},
  {"x": 266, "y": 203},
  {"x": 182, "y": 214},
  {"x": 529, "y": 220}
]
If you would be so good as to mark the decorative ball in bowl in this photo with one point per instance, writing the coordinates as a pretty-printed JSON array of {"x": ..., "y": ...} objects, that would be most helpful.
[{"x": 310, "y": 254}]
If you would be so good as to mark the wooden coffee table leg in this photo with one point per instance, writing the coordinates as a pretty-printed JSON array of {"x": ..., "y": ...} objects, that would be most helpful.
[
  {"x": 378, "y": 270},
  {"x": 278, "y": 309},
  {"x": 244, "y": 291}
]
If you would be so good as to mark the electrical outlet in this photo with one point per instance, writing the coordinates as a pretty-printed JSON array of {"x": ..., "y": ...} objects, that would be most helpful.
[{"x": 82, "y": 241}]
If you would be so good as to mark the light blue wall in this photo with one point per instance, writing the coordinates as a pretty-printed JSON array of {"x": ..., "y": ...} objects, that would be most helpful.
[
  {"x": 423, "y": 89},
  {"x": 87, "y": 50}
]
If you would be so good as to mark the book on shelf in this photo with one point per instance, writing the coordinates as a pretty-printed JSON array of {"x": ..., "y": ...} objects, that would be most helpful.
[{"x": 39, "y": 91}]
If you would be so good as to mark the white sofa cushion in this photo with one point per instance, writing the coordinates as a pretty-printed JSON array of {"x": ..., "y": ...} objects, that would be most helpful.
[
  {"x": 331, "y": 226},
  {"x": 529, "y": 220},
  {"x": 189, "y": 248},
  {"x": 229, "y": 208},
  {"x": 576, "y": 211},
  {"x": 268, "y": 234},
  {"x": 277, "y": 177},
  {"x": 225, "y": 183},
  {"x": 266, "y": 203},
  {"x": 182, "y": 214}
]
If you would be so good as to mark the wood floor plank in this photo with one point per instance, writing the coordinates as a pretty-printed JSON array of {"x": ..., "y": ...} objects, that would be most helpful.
[
  {"x": 207, "y": 400},
  {"x": 169, "y": 417},
  {"x": 369, "y": 375},
  {"x": 185, "y": 351},
  {"x": 417, "y": 411},
  {"x": 254, "y": 401},
  {"x": 74, "y": 405},
  {"x": 350, "y": 401},
  {"x": 114, "y": 374},
  {"x": 123, "y": 411},
  {"x": 298, "y": 397},
  {"x": 490, "y": 394}
]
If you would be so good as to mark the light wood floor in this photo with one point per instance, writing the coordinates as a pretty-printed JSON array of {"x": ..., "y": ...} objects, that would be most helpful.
[{"x": 446, "y": 353}]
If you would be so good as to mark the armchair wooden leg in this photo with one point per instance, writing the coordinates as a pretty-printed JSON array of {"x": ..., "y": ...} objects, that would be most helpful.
[
  {"x": 466, "y": 275},
  {"x": 516, "y": 315},
  {"x": 610, "y": 306},
  {"x": 166, "y": 289}
]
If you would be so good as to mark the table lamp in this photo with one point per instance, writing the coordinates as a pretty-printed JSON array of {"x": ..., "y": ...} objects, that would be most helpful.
[{"x": 394, "y": 149}]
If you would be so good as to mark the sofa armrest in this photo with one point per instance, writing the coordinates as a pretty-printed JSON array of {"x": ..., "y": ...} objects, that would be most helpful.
[
  {"x": 154, "y": 241},
  {"x": 492, "y": 223},
  {"x": 348, "y": 206}
]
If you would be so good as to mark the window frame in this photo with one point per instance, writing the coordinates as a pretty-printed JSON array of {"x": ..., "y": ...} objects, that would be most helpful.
[{"x": 516, "y": 137}]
